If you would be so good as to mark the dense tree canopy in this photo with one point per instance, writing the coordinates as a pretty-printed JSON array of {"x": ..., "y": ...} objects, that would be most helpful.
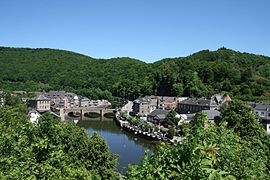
[
  {"x": 209, "y": 152},
  {"x": 243, "y": 75},
  {"x": 51, "y": 150}
]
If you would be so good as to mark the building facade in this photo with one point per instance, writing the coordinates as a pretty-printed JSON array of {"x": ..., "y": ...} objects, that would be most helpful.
[
  {"x": 40, "y": 103},
  {"x": 34, "y": 116},
  {"x": 158, "y": 116},
  {"x": 144, "y": 106},
  {"x": 263, "y": 111},
  {"x": 195, "y": 105},
  {"x": 62, "y": 99}
]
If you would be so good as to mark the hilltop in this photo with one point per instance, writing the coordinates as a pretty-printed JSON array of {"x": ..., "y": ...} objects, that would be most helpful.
[{"x": 243, "y": 75}]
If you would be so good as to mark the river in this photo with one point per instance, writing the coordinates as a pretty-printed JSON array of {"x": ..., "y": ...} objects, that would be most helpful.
[{"x": 130, "y": 148}]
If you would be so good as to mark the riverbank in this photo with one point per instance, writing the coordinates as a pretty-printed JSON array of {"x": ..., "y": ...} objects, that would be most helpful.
[
  {"x": 144, "y": 133},
  {"x": 130, "y": 148}
]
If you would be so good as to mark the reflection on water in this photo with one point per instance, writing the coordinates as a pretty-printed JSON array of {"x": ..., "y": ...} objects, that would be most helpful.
[{"x": 130, "y": 148}]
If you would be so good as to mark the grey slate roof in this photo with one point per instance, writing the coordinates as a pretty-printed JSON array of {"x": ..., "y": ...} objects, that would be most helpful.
[
  {"x": 41, "y": 97},
  {"x": 159, "y": 112},
  {"x": 60, "y": 94},
  {"x": 167, "y": 98},
  {"x": 259, "y": 106},
  {"x": 197, "y": 101},
  {"x": 211, "y": 114}
]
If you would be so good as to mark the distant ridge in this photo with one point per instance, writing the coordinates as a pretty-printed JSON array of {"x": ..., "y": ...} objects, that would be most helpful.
[{"x": 243, "y": 75}]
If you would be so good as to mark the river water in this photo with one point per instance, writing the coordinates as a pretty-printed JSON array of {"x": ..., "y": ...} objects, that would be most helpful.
[{"x": 130, "y": 148}]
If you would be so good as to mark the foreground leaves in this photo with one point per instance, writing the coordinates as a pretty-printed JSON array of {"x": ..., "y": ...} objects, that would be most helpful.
[
  {"x": 216, "y": 152},
  {"x": 51, "y": 150}
]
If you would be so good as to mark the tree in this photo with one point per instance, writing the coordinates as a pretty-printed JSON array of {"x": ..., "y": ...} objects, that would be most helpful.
[
  {"x": 215, "y": 152},
  {"x": 171, "y": 118},
  {"x": 171, "y": 132},
  {"x": 178, "y": 89},
  {"x": 51, "y": 150},
  {"x": 195, "y": 87},
  {"x": 241, "y": 119}
]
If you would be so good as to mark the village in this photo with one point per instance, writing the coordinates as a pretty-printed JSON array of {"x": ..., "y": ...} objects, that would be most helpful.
[
  {"x": 53, "y": 101},
  {"x": 155, "y": 109},
  {"x": 149, "y": 109}
]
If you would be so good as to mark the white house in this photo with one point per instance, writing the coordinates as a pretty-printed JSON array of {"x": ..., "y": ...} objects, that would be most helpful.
[
  {"x": 34, "y": 116},
  {"x": 268, "y": 128},
  {"x": 263, "y": 111}
]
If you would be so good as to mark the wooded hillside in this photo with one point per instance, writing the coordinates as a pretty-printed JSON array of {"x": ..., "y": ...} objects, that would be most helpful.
[{"x": 245, "y": 76}]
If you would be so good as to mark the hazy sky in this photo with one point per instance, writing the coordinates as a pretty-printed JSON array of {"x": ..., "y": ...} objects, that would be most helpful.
[{"x": 148, "y": 30}]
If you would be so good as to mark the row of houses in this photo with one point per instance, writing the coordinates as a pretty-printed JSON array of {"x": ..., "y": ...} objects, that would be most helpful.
[
  {"x": 182, "y": 105},
  {"x": 61, "y": 99},
  {"x": 145, "y": 105},
  {"x": 156, "y": 108}
]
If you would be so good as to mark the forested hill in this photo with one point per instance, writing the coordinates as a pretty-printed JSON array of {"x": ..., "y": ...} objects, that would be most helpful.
[{"x": 243, "y": 75}]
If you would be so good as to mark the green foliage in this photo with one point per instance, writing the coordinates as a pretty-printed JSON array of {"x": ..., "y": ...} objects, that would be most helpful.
[
  {"x": 242, "y": 120},
  {"x": 195, "y": 87},
  {"x": 15, "y": 101},
  {"x": 123, "y": 114},
  {"x": 134, "y": 121},
  {"x": 11, "y": 100},
  {"x": 171, "y": 119},
  {"x": 215, "y": 152},
  {"x": 171, "y": 132},
  {"x": 245, "y": 123},
  {"x": 245, "y": 76},
  {"x": 48, "y": 69},
  {"x": 178, "y": 89},
  {"x": 51, "y": 150}
]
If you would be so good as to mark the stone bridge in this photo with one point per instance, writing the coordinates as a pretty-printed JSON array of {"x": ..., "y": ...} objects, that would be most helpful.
[{"x": 81, "y": 111}]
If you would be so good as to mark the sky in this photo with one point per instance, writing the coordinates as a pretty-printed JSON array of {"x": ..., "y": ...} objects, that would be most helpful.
[{"x": 148, "y": 30}]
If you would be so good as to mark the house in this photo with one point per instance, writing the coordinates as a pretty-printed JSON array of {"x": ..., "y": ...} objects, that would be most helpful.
[
  {"x": 58, "y": 98},
  {"x": 158, "y": 116},
  {"x": 165, "y": 102},
  {"x": 34, "y": 116},
  {"x": 2, "y": 99},
  {"x": 263, "y": 111},
  {"x": 40, "y": 103},
  {"x": 268, "y": 128},
  {"x": 183, "y": 118},
  {"x": 195, "y": 105},
  {"x": 84, "y": 102},
  {"x": 144, "y": 106},
  {"x": 73, "y": 101},
  {"x": 99, "y": 102},
  {"x": 62, "y": 99},
  {"x": 212, "y": 114}
]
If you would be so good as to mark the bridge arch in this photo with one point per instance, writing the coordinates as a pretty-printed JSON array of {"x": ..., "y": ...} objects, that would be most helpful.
[{"x": 87, "y": 111}]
